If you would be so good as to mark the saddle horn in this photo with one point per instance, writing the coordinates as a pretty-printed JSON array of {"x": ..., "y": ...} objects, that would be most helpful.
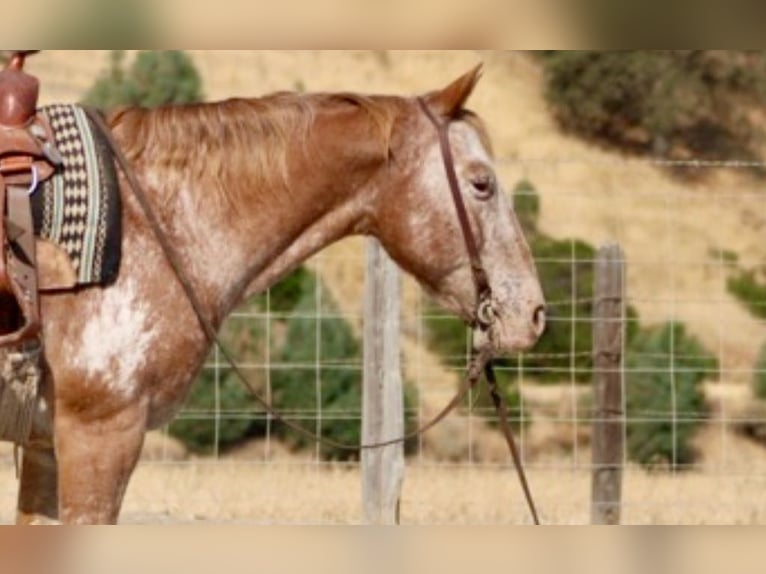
[{"x": 18, "y": 91}]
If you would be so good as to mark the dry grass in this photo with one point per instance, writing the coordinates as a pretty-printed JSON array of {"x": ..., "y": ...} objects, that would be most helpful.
[
  {"x": 304, "y": 494},
  {"x": 728, "y": 486},
  {"x": 331, "y": 495}
]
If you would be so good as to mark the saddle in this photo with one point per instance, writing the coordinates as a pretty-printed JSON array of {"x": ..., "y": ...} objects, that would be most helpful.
[{"x": 28, "y": 157}]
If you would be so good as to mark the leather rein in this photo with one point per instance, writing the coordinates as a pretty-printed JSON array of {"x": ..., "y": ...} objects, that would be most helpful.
[{"x": 484, "y": 316}]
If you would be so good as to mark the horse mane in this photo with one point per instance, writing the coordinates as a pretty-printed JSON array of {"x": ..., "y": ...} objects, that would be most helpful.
[{"x": 197, "y": 142}]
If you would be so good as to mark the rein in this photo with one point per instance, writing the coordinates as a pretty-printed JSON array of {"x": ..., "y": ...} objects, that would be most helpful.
[{"x": 481, "y": 361}]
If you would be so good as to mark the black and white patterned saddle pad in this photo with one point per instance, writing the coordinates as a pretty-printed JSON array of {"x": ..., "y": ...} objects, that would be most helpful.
[{"x": 78, "y": 209}]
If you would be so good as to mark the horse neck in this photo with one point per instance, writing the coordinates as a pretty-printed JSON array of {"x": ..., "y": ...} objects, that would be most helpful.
[{"x": 238, "y": 242}]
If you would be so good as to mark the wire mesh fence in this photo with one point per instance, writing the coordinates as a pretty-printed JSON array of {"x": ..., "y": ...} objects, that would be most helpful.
[{"x": 707, "y": 442}]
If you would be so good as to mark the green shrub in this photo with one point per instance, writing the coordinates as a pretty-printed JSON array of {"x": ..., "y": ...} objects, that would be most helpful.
[
  {"x": 156, "y": 78},
  {"x": 197, "y": 424},
  {"x": 244, "y": 337},
  {"x": 323, "y": 360},
  {"x": 238, "y": 420},
  {"x": 671, "y": 103},
  {"x": 664, "y": 370},
  {"x": 566, "y": 271},
  {"x": 746, "y": 286},
  {"x": 759, "y": 376},
  {"x": 286, "y": 294},
  {"x": 80, "y": 24},
  {"x": 318, "y": 368},
  {"x": 446, "y": 335},
  {"x": 526, "y": 205},
  {"x": 565, "y": 268}
]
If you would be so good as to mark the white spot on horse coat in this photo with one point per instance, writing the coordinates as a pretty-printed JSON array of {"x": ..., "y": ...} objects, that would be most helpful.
[
  {"x": 117, "y": 338},
  {"x": 217, "y": 257}
]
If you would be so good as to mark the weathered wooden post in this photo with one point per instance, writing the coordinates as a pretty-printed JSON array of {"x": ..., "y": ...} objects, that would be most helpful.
[
  {"x": 609, "y": 423},
  {"x": 382, "y": 401}
]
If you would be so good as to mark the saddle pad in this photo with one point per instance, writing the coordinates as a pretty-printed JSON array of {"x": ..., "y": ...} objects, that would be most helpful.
[{"x": 78, "y": 209}]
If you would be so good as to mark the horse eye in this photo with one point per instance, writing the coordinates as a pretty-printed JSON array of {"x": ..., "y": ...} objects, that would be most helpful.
[{"x": 484, "y": 186}]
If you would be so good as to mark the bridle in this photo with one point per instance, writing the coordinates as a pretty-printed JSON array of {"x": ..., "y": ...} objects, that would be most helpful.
[{"x": 484, "y": 316}]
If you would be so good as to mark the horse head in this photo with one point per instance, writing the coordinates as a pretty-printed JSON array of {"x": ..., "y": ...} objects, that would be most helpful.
[{"x": 418, "y": 223}]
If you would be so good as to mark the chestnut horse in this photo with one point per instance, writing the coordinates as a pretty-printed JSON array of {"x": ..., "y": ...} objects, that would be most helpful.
[{"x": 247, "y": 190}]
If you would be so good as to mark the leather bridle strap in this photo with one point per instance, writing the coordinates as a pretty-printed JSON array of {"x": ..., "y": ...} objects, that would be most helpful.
[
  {"x": 502, "y": 418},
  {"x": 480, "y": 279}
]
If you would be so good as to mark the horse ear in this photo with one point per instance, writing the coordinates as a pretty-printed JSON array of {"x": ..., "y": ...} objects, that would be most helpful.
[{"x": 449, "y": 101}]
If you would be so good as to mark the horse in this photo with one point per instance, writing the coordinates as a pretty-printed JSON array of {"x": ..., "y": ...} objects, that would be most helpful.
[{"x": 246, "y": 190}]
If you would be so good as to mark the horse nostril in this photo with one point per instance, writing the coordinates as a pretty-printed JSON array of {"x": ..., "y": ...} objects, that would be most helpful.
[{"x": 538, "y": 320}]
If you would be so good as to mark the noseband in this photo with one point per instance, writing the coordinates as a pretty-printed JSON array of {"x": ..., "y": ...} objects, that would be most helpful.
[{"x": 484, "y": 314}]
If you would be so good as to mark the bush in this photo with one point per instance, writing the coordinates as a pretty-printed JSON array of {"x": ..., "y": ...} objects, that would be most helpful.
[
  {"x": 759, "y": 376},
  {"x": 82, "y": 23},
  {"x": 565, "y": 268},
  {"x": 446, "y": 335},
  {"x": 245, "y": 338},
  {"x": 526, "y": 205},
  {"x": 285, "y": 295},
  {"x": 197, "y": 426},
  {"x": 156, "y": 78},
  {"x": 324, "y": 374},
  {"x": 674, "y": 103},
  {"x": 566, "y": 271},
  {"x": 303, "y": 384},
  {"x": 664, "y": 370},
  {"x": 749, "y": 290}
]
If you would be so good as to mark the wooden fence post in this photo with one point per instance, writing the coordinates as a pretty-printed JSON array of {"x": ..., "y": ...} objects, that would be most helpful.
[
  {"x": 609, "y": 423},
  {"x": 382, "y": 397}
]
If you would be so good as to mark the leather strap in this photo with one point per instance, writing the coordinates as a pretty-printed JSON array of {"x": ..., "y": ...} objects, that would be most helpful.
[
  {"x": 22, "y": 261},
  {"x": 18, "y": 273},
  {"x": 5, "y": 284},
  {"x": 480, "y": 279},
  {"x": 502, "y": 417}
]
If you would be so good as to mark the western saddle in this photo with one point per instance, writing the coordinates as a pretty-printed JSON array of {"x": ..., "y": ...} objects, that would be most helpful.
[{"x": 28, "y": 157}]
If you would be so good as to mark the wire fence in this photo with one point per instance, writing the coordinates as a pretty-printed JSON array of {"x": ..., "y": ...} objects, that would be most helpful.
[{"x": 554, "y": 416}]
